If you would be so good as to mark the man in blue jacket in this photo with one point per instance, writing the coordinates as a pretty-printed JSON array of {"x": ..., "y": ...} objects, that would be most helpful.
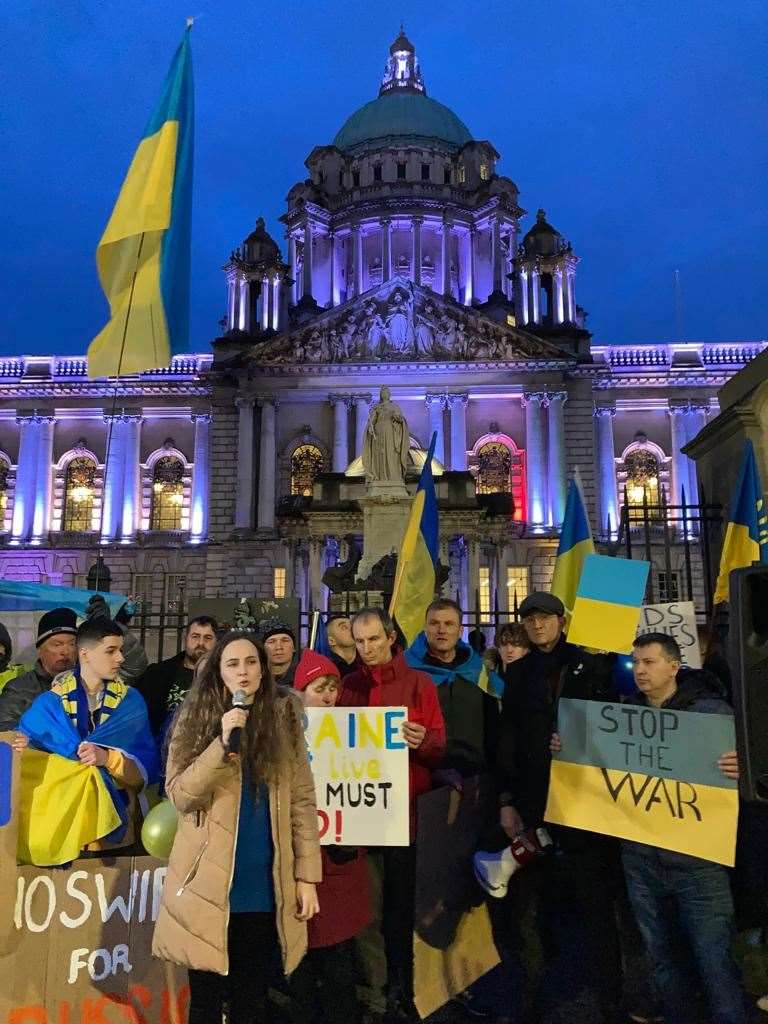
[{"x": 469, "y": 693}]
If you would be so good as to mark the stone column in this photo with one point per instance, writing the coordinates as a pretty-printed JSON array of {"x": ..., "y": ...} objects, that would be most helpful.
[
  {"x": 357, "y": 258},
  {"x": 290, "y": 545},
  {"x": 535, "y": 289},
  {"x": 340, "y": 405},
  {"x": 386, "y": 249},
  {"x": 502, "y": 590},
  {"x": 275, "y": 317},
  {"x": 680, "y": 479},
  {"x": 524, "y": 295},
  {"x": 497, "y": 255},
  {"x": 571, "y": 298},
  {"x": 362, "y": 409},
  {"x": 267, "y": 464},
  {"x": 695, "y": 420},
  {"x": 307, "y": 267},
  {"x": 245, "y": 306},
  {"x": 458, "y": 431},
  {"x": 473, "y": 573},
  {"x": 556, "y": 457},
  {"x": 114, "y": 478},
  {"x": 472, "y": 293},
  {"x": 200, "y": 477},
  {"x": 41, "y": 520},
  {"x": 316, "y": 549},
  {"x": 435, "y": 407},
  {"x": 558, "y": 314},
  {"x": 245, "y": 465},
  {"x": 606, "y": 468},
  {"x": 446, "y": 256},
  {"x": 292, "y": 262},
  {"x": 535, "y": 458},
  {"x": 231, "y": 302},
  {"x": 131, "y": 504},
  {"x": 416, "y": 223},
  {"x": 26, "y": 473},
  {"x": 333, "y": 276},
  {"x": 264, "y": 302}
]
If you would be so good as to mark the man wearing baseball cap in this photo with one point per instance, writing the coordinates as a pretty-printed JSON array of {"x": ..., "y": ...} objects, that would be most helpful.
[
  {"x": 55, "y": 654},
  {"x": 573, "y": 885}
]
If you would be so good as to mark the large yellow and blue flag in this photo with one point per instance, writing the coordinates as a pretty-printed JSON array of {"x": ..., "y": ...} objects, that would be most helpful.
[
  {"x": 144, "y": 254},
  {"x": 575, "y": 544},
  {"x": 747, "y": 532},
  {"x": 414, "y": 587}
]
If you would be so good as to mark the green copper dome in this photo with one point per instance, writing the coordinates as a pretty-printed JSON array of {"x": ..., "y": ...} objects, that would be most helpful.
[{"x": 402, "y": 114}]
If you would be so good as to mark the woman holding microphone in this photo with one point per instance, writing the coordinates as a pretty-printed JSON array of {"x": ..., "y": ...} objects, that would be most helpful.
[{"x": 245, "y": 862}]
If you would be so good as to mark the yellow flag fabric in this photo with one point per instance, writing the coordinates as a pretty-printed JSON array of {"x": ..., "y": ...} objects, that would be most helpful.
[
  {"x": 745, "y": 535},
  {"x": 415, "y": 582},
  {"x": 63, "y": 806},
  {"x": 574, "y": 546}
]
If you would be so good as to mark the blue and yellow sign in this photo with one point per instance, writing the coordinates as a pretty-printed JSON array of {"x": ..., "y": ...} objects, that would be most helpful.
[{"x": 646, "y": 774}]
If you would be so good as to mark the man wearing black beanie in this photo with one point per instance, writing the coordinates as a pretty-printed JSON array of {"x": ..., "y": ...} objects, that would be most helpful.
[
  {"x": 280, "y": 644},
  {"x": 55, "y": 654}
]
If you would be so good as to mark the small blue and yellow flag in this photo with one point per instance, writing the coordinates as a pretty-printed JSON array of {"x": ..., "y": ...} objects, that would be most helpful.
[
  {"x": 608, "y": 602},
  {"x": 144, "y": 254},
  {"x": 747, "y": 532},
  {"x": 575, "y": 544},
  {"x": 414, "y": 587}
]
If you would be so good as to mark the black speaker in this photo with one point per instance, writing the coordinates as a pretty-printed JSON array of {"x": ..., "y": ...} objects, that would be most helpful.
[{"x": 749, "y": 663}]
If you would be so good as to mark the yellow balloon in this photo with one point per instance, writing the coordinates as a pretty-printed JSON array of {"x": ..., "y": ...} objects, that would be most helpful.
[{"x": 159, "y": 830}]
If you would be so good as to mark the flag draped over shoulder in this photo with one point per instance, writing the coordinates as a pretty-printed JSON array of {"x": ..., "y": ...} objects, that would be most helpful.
[
  {"x": 143, "y": 256},
  {"x": 575, "y": 544},
  {"x": 746, "y": 532},
  {"x": 66, "y": 805},
  {"x": 414, "y": 585}
]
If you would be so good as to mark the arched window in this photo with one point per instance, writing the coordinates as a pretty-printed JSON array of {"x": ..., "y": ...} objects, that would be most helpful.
[
  {"x": 79, "y": 490},
  {"x": 494, "y": 469},
  {"x": 167, "y": 494},
  {"x": 642, "y": 481},
  {"x": 306, "y": 462}
]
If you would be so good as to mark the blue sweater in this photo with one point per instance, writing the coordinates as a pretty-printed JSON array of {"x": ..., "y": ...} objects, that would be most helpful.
[{"x": 252, "y": 888}]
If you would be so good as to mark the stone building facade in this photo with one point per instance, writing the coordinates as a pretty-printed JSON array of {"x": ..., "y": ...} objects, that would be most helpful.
[{"x": 407, "y": 264}]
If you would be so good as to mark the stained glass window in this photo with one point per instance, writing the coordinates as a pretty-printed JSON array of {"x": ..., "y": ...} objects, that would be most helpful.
[
  {"x": 642, "y": 469},
  {"x": 167, "y": 494},
  {"x": 306, "y": 462},
  {"x": 494, "y": 466},
  {"x": 79, "y": 493}
]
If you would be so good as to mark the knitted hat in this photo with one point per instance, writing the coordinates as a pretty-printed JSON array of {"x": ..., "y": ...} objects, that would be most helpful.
[
  {"x": 311, "y": 666},
  {"x": 271, "y": 627},
  {"x": 57, "y": 620}
]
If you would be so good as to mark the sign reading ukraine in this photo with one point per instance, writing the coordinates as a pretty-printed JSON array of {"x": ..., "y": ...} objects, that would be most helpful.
[
  {"x": 360, "y": 763},
  {"x": 645, "y": 774},
  {"x": 607, "y": 607}
]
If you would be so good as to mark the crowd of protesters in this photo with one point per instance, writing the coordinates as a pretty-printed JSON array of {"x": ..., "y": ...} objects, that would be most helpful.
[{"x": 590, "y": 928}]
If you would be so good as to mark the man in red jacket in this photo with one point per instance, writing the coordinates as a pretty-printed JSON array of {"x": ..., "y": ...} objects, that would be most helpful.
[{"x": 387, "y": 680}]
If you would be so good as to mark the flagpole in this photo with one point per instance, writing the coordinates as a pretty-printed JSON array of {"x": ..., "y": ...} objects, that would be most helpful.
[{"x": 99, "y": 559}]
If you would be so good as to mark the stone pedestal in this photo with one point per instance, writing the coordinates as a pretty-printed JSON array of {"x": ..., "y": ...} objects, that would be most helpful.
[{"x": 385, "y": 514}]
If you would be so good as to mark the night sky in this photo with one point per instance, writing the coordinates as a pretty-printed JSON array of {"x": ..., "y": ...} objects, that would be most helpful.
[{"x": 640, "y": 127}]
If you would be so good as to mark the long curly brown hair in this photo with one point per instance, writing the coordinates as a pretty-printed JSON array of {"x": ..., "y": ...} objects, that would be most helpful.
[{"x": 272, "y": 730}]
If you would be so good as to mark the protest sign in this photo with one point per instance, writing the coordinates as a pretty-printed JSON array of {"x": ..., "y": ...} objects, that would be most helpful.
[
  {"x": 453, "y": 941},
  {"x": 678, "y": 620},
  {"x": 646, "y": 774},
  {"x": 607, "y": 606},
  {"x": 360, "y": 763}
]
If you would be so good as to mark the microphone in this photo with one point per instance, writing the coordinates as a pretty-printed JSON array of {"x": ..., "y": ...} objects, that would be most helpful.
[{"x": 239, "y": 700}]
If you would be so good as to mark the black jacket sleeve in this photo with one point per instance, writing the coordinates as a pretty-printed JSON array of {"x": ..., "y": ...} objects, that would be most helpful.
[{"x": 16, "y": 697}]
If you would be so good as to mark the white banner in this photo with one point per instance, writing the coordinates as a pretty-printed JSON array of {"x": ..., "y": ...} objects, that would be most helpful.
[
  {"x": 678, "y": 620},
  {"x": 360, "y": 764}
]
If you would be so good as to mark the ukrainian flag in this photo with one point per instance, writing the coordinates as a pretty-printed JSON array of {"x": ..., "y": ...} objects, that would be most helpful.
[
  {"x": 414, "y": 587},
  {"x": 746, "y": 533},
  {"x": 143, "y": 255},
  {"x": 575, "y": 544}
]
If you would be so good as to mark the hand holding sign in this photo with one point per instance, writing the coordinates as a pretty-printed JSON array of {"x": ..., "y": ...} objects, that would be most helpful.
[{"x": 414, "y": 734}]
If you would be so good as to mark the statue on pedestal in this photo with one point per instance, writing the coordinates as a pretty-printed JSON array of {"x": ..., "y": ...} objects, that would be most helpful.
[{"x": 385, "y": 443}]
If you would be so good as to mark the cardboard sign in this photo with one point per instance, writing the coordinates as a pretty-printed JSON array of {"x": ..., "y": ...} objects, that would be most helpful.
[
  {"x": 607, "y": 606},
  {"x": 646, "y": 774},
  {"x": 678, "y": 620},
  {"x": 360, "y": 763}
]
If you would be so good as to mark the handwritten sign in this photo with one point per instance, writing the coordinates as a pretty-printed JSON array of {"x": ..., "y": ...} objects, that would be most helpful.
[
  {"x": 646, "y": 774},
  {"x": 678, "y": 620},
  {"x": 360, "y": 763}
]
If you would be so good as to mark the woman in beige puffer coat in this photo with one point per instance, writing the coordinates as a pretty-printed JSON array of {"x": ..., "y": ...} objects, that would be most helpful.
[{"x": 242, "y": 872}]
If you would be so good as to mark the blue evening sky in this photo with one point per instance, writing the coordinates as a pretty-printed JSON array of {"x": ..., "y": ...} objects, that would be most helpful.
[{"x": 639, "y": 126}]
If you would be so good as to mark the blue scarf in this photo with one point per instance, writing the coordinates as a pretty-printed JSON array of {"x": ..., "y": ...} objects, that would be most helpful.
[
  {"x": 57, "y": 724},
  {"x": 473, "y": 669}
]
